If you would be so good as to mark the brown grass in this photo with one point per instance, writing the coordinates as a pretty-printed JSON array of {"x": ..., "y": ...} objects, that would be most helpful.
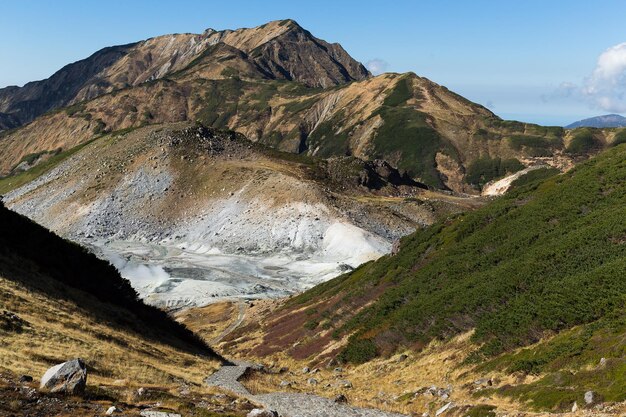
[{"x": 59, "y": 330}]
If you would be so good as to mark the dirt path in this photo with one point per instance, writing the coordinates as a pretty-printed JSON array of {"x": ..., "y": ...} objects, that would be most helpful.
[
  {"x": 289, "y": 404},
  {"x": 241, "y": 306}
]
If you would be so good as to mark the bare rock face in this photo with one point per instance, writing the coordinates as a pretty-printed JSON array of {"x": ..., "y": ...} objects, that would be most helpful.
[{"x": 68, "y": 377}]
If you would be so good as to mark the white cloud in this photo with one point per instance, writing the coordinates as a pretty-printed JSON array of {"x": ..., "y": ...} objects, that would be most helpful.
[
  {"x": 377, "y": 66},
  {"x": 605, "y": 88}
]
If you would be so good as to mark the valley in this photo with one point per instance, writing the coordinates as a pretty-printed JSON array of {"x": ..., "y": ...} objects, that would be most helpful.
[{"x": 241, "y": 219}]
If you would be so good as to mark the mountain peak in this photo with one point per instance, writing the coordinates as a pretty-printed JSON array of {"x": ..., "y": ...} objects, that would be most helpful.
[{"x": 607, "y": 120}]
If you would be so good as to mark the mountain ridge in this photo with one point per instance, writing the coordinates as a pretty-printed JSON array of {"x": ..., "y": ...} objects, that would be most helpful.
[
  {"x": 607, "y": 120},
  {"x": 116, "y": 67}
]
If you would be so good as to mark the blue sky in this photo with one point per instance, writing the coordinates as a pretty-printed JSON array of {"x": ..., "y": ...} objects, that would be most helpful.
[{"x": 529, "y": 60}]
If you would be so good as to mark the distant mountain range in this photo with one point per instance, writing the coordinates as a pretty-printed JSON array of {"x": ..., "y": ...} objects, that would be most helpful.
[{"x": 608, "y": 120}]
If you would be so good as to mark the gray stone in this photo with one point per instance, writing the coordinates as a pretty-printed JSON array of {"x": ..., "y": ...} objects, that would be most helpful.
[
  {"x": 444, "y": 409},
  {"x": 574, "y": 407},
  {"x": 482, "y": 382},
  {"x": 285, "y": 383},
  {"x": 311, "y": 381},
  {"x": 305, "y": 370},
  {"x": 111, "y": 410},
  {"x": 26, "y": 378},
  {"x": 589, "y": 397},
  {"x": 258, "y": 412},
  {"x": 344, "y": 383},
  {"x": 402, "y": 357},
  {"x": 68, "y": 377},
  {"x": 151, "y": 413}
]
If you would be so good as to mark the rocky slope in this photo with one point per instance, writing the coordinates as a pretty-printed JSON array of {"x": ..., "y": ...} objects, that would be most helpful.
[
  {"x": 190, "y": 214},
  {"x": 277, "y": 50},
  {"x": 280, "y": 86}
]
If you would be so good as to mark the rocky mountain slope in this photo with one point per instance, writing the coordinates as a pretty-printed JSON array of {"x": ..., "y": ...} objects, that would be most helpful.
[
  {"x": 608, "y": 120},
  {"x": 277, "y": 50},
  {"x": 280, "y": 86},
  {"x": 188, "y": 213},
  {"x": 530, "y": 284}
]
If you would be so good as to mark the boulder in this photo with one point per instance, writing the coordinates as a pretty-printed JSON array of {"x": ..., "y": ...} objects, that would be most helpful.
[
  {"x": 305, "y": 370},
  {"x": 402, "y": 357},
  {"x": 311, "y": 381},
  {"x": 574, "y": 407},
  {"x": 589, "y": 397},
  {"x": 258, "y": 412},
  {"x": 67, "y": 377},
  {"x": 111, "y": 410}
]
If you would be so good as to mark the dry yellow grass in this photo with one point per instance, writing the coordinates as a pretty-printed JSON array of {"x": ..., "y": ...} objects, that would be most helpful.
[{"x": 59, "y": 330}]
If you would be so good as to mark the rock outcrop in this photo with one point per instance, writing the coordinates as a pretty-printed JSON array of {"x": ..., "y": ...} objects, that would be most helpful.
[{"x": 68, "y": 377}]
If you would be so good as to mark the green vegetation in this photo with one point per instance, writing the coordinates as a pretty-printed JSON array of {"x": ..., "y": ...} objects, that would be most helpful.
[
  {"x": 483, "y": 170},
  {"x": 359, "y": 351},
  {"x": 12, "y": 182},
  {"x": 400, "y": 94},
  {"x": 327, "y": 141},
  {"x": 582, "y": 142},
  {"x": 620, "y": 137},
  {"x": 406, "y": 135},
  {"x": 534, "y": 145},
  {"x": 547, "y": 257},
  {"x": 481, "y": 411},
  {"x": 33, "y": 157},
  {"x": 534, "y": 175}
]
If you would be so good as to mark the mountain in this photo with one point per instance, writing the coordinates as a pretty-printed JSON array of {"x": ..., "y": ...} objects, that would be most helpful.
[
  {"x": 485, "y": 284},
  {"x": 219, "y": 215},
  {"x": 280, "y": 86},
  {"x": 58, "y": 301},
  {"x": 278, "y": 50},
  {"x": 608, "y": 120}
]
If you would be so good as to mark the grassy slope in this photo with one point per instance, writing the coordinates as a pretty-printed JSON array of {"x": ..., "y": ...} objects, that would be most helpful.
[
  {"x": 76, "y": 305},
  {"x": 546, "y": 258}
]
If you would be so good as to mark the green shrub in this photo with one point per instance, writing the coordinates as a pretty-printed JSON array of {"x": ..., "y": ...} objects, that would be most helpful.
[
  {"x": 620, "y": 137},
  {"x": 483, "y": 170},
  {"x": 542, "y": 259},
  {"x": 534, "y": 176},
  {"x": 359, "y": 351},
  {"x": 582, "y": 142},
  {"x": 402, "y": 91}
]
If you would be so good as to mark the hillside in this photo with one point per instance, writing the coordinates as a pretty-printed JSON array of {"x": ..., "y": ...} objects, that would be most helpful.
[
  {"x": 190, "y": 213},
  {"x": 59, "y": 302},
  {"x": 276, "y": 50},
  {"x": 540, "y": 267}
]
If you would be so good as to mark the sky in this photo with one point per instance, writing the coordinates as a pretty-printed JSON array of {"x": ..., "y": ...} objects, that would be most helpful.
[{"x": 548, "y": 62}]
